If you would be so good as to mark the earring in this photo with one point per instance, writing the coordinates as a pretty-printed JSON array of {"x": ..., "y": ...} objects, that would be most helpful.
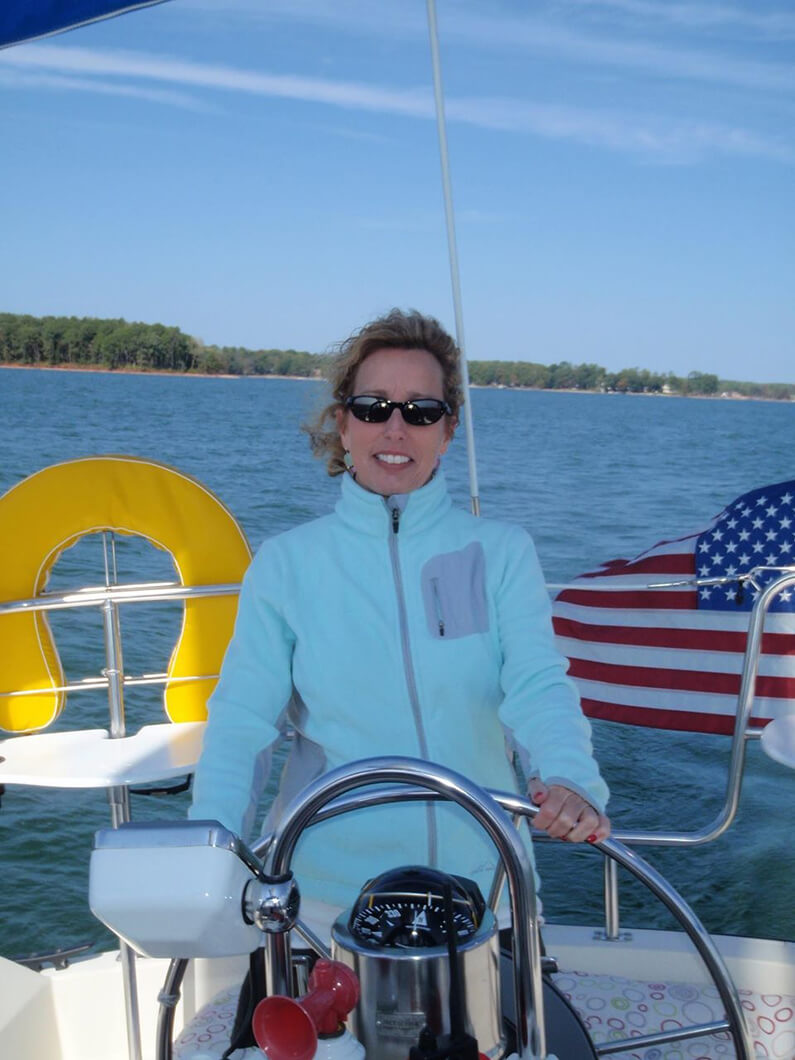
[{"x": 348, "y": 461}]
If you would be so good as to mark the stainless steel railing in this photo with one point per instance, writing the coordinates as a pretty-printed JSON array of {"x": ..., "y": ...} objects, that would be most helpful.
[
  {"x": 334, "y": 795},
  {"x": 741, "y": 735},
  {"x": 317, "y": 806},
  {"x": 107, "y": 599}
]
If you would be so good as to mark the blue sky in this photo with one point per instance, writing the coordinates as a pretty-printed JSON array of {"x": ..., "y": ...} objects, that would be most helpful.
[{"x": 265, "y": 173}]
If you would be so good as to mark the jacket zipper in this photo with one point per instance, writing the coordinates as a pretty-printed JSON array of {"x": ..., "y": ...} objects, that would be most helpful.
[
  {"x": 437, "y": 599},
  {"x": 411, "y": 681}
]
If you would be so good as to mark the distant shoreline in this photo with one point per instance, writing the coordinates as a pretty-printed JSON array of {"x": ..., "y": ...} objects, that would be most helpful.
[
  {"x": 316, "y": 379},
  {"x": 150, "y": 371}
]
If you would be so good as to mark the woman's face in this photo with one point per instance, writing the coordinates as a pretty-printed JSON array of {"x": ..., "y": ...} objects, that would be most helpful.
[{"x": 394, "y": 457}]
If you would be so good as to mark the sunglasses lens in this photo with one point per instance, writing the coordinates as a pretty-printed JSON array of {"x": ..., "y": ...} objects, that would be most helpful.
[
  {"x": 424, "y": 412},
  {"x": 370, "y": 409}
]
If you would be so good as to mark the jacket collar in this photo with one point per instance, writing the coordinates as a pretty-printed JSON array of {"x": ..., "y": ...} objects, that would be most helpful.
[{"x": 370, "y": 513}]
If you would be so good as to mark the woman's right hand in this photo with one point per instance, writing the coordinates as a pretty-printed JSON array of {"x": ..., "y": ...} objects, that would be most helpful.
[{"x": 564, "y": 814}]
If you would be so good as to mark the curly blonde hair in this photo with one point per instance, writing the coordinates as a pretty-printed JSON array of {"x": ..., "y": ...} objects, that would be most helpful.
[{"x": 395, "y": 330}]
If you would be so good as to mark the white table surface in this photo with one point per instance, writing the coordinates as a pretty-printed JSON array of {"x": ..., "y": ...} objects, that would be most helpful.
[{"x": 89, "y": 758}]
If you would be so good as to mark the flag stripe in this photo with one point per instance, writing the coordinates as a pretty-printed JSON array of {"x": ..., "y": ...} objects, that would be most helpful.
[
  {"x": 679, "y": 680},
  {"x": 727, "y": 621},
  {"x": 662, "y": 599},
  {"x": 686, "y": 720},
  {"x": 676, "y": 702},
  {"x": 673, "y": 659},
  {"x": 654, "y": 636}
]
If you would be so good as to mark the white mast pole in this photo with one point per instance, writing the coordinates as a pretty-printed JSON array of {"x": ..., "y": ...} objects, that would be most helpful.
[{"x": 452, "y": 251}]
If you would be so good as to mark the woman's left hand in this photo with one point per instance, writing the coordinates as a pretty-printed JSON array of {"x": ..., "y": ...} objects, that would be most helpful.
[{"x": 564, "y": 814}]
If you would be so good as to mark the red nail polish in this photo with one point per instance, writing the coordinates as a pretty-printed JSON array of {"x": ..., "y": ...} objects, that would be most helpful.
[{"x": 591, "y": 839}]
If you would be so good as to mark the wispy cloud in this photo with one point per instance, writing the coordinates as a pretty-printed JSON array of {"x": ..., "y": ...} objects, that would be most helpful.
[
  {"x": 535, "y": 35},
  {"x": 559, "y": 30},
  {"x": 355, "y": 15},
  {"x": 65, "y": 83},
  {"x": 693, "y": 15},
  {"x": 653, "y": 137},
  {"x": 226, "y": 78}
]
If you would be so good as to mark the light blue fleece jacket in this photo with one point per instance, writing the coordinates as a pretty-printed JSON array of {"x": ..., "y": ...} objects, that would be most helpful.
[{"x": 392, "y": 626}]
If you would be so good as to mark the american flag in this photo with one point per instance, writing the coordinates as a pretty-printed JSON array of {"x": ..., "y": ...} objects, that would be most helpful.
[{"x": 672, "y": 657}]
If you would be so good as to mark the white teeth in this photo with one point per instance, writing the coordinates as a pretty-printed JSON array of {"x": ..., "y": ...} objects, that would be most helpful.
[{"x": 392, "y": 458}]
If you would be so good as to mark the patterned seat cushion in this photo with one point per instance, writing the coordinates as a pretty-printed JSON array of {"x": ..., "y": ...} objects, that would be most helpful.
[
  {"x": 208, "y": 1033},
  {"x": 613, "y": 1007}
]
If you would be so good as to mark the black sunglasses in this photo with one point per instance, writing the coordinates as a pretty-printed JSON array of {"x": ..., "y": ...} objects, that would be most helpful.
[{"x": 421, "y": 412}]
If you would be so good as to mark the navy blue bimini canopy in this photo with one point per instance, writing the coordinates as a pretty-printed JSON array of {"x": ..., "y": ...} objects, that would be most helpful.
[{"x": 22, "y": 20}]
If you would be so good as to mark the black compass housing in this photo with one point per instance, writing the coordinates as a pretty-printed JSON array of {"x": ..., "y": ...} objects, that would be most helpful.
[{"x": 405, "y": 908}]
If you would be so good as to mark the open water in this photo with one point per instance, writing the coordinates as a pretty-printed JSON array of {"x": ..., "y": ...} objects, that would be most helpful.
[{"x": 592, "y": 477}]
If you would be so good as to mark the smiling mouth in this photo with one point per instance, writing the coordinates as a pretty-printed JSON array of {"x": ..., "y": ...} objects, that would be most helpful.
[{"x": 392, "y": 458}]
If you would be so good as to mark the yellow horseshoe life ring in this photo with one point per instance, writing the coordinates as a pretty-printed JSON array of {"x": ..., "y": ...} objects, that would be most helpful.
[{"x": 51, "y": 510}]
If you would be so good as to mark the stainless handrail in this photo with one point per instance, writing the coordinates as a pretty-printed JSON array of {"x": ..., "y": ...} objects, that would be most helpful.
[
  {"x": 519, "y": 806},
  {"x": 146, "y": 592},
  {"x": 745, "y": 702},
  {"x": 110, "y": 596},
  {"x": 677, "y": 906},
  {"x": 118, "y": 795},
  {"x": 740, "y": 736},
  {"x": 94, "y": 684},
  {"x": 323, "y": 801},
  {"x": 452, "y": 786}
]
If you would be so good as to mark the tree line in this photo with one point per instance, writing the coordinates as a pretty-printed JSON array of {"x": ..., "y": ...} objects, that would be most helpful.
[
  {"x": 118, "y": 345},
  {"x": 567, "y": 376}
]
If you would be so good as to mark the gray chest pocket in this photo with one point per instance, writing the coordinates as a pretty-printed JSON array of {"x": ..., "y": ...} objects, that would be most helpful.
[{"x": 454, "y": 593}]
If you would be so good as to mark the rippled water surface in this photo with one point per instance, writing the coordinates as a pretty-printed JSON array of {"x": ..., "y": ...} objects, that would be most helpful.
[{"x": 592, "y": 477}]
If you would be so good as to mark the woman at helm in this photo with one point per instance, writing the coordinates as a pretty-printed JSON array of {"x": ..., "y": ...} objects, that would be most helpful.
[{"x": 396, "y": 624}]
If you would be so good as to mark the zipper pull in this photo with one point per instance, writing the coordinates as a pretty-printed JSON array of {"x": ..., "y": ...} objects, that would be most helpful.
[
  {"x": 395, "y": 520},
  {"x": 438, "y": 602}
]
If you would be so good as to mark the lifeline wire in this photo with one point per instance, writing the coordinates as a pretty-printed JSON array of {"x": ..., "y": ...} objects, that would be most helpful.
[{"x": 452, "y": 251}]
